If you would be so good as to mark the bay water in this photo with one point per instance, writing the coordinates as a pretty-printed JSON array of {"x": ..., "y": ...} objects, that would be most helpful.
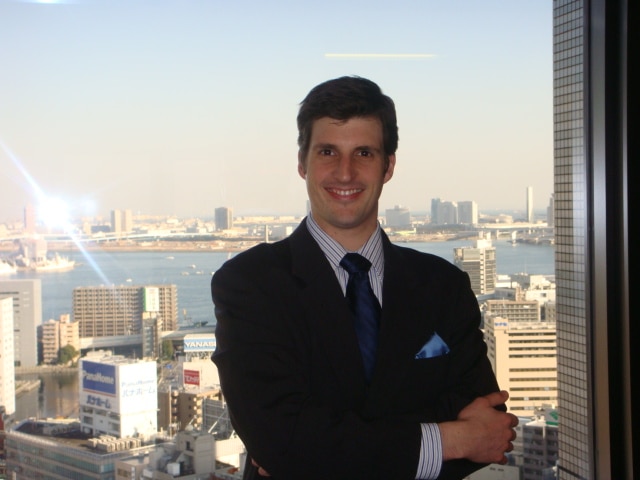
[{"x": 191, "y": 273}]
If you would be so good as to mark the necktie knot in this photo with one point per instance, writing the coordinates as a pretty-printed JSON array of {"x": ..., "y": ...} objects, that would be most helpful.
[{"x": 355, "y": 263}]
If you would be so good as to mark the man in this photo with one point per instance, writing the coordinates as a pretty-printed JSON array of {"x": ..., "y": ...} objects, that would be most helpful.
[{"x": 306, "y": 399}]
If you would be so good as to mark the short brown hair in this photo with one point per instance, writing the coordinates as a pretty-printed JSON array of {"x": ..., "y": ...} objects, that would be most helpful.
[{"x": 345, "y": 98}]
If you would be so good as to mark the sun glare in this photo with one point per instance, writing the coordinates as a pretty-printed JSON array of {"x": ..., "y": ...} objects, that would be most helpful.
[{"x": 55, "y": 213}]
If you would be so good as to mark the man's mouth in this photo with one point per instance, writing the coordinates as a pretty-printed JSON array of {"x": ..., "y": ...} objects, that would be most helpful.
[{"x": 344, "y": 193}]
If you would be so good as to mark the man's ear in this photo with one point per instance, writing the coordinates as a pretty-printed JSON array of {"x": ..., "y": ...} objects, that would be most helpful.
[
  {"x": 302, "y": 171},
  {"x": 390, "y": 167}
]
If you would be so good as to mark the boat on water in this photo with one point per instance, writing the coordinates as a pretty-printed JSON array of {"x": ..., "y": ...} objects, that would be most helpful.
[
  {"x": 34, "y": 256},
  {"x": 7, "y": 268},
  {"x": 56, "y": 263}
]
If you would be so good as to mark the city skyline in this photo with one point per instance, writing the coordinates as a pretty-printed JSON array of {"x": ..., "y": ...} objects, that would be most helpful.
[
  {"x": 167, "y": 107},
  {"x": 30, "y": 219}
]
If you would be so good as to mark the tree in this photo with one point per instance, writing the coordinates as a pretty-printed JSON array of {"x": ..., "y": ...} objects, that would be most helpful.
[
  {"x": 167, "y": 350},
  {"x": 67, "y": 354}
]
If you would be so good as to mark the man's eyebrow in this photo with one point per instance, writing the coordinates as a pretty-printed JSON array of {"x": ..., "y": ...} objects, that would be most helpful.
[
  {"x": 324, "y": 145},
  {"x": 358, "y": 148},
  {"x": 370, "y": 148}
]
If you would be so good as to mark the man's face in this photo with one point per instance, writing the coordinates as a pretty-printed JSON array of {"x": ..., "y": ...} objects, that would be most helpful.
[{"x": 344, "y": 171}]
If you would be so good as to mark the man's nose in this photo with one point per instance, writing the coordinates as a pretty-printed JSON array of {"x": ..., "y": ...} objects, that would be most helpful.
[{"x": 345, "y": 168}]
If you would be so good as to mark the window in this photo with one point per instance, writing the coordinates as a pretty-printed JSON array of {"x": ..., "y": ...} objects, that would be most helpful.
[{"x": 195, "y": 102}]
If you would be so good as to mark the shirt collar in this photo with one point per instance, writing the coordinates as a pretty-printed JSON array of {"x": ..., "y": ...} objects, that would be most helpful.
[{"x": 371, "y": 250}]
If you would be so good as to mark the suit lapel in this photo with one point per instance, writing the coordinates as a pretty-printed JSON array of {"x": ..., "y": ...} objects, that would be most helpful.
[{"x": 328, "y": 314}]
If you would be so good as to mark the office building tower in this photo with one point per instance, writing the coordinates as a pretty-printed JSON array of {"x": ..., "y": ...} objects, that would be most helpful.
[
  {"x": 435, "y": 207},
  {"x": 108, "y": 311},
  {"x": 468, "y": 213},
  {"x": 121, "y": 221},
  {"x": 54, "y": 335},
  {"x": 398, "y": 217},
  {"x": 27, "y": 315},
  {"x": 447, "y": 213},
  {"x": 151, "y": 335},
  {"x": 479, "y": 262},
  {"x": 30, "y": 219},
  {"x": 118, "y": 396},
  {"x": 540, "y": 445},
  {"x": 529, "y": 205},
  {"x": 522, "y": 351},
  {"x": 7, "y": 371},
  {"x": 521, "y": 311},
  {"x": 223, "y": 218},
  {"x": 116, "y": 222},
  {"x": 572, "y": 299}
]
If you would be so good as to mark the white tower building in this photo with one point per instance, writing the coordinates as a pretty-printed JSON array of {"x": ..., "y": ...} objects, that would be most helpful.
[
  {"x": 529, "y": 204},
  {"x": 118, "y": 396},
  {"x": 523, "y": 356},
  {"x": 7, "y": 371},
  {"x": 479, "y": 262},
  {"x": 27, "y": 315}
]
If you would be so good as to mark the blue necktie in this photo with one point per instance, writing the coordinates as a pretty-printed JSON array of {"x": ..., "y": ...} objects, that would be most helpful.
[{"x": 365, "y": 307}]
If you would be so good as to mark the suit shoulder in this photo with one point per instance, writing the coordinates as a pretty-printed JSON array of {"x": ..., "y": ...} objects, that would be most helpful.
[
  {"x": 422, "y": 257},
  {"x": 263, "y": 255},
  {"x": 422, "y": 261}
]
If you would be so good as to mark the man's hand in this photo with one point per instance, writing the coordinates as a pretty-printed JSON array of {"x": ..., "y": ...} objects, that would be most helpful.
[
  {"x": 261, "y": 471},
  {"x": 481, "y": 433}
]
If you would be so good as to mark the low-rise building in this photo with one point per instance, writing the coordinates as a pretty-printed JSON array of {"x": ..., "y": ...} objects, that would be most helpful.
[{"x": 54, "y": 335}]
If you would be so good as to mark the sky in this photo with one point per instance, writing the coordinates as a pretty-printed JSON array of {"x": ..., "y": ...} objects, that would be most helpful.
[{"x": 177, "y": 107}]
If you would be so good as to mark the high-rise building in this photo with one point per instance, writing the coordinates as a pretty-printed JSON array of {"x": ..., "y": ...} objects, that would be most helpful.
[
  {"x": 116, "y": 222},
  {"x": 30, "y": 219},
  {"x": 56, "y": 334},
  {"x": 118, "y": 396},
  {"x": 479, "y": 262},
  {"x": 454, "y": 213},
  {"x": 572, "y": 301},
  {"x": 108, "y": 311},
  {"x": 596, "y": 136},
  {"x": 540, "y": 445},
  {"x": 443, "y": 212},
  {"x": 121, "y": 221},
  {"x": 398, "y": 217},
  {"x": 223, "y": 218},
  {"x": 530, "y": 204},
  {"x": 27, "y": 315},
  {"x": 550, "y": 210},
  {"x": 468, "y": 212},
  {"x": 521, "y": 311},
  {"x": 7, "y": 371},
  {"x": 522, "y": 351}
]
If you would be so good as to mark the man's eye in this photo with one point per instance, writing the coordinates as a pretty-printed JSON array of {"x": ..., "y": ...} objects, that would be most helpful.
[
  {"x": 365, "y": 153},
  {"x": 326, "y": 151}
]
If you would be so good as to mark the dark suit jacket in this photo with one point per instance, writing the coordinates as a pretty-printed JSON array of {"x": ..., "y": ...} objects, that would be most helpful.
[{"x": 292, "y": 373}]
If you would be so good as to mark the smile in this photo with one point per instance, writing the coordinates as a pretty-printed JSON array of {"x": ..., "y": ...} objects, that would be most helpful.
[{"x": 345, "y": 193}]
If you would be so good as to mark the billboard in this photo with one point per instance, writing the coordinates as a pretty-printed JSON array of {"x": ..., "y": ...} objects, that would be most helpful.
[
  {"x": 151, "y": 299},
  {"x": 99, "y": 378},
  {"x": 138, "y": 387},
  {"x": 192, "y": 377},
  {"x": 199, "y": 343}
]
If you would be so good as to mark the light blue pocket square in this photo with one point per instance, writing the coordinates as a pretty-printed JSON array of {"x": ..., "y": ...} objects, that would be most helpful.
[{"x": 433, "y": 348}]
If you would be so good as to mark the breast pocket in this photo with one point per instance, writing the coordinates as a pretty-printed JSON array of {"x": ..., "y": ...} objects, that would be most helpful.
[{"x": 424, "y": 384}]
